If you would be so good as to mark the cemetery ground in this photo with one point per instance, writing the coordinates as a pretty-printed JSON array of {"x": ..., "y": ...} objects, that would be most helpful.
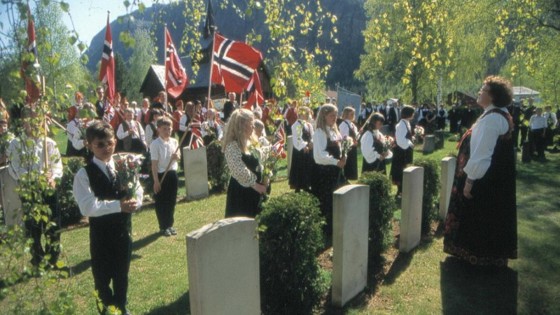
[{"x": 424, "y": 281}]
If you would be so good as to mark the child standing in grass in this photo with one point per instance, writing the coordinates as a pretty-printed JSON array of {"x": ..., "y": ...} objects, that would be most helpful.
[
  {"x": 100, "y": 198},
  {"x": 164, "y": 153}
]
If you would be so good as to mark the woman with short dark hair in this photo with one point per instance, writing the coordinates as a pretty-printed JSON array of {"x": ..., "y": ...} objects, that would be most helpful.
[{"x": 481, "y": 224}]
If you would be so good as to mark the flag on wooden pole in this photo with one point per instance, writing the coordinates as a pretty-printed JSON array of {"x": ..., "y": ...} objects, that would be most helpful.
[
  {"x": 175, "y": 75},
  {"x": 233, "y": 63},
  {"x": 31, "y": 58},
  {"x": 256, "y": 95},
  {"x": 107, "y": 70}
]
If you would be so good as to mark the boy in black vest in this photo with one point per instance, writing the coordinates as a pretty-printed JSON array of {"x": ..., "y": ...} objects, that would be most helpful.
[{"x": 99, "y": 197}]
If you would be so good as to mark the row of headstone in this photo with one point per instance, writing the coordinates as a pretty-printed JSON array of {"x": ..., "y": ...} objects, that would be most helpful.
[{"x": 223, "y": 258}]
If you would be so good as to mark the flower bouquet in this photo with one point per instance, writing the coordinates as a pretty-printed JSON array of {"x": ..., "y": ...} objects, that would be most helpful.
[
  {"x": 419, "y": 131},
  {"x": 128, "y": 167},
  {"x": 388, "y": 143},
  {"x": 346, "y": 145}
]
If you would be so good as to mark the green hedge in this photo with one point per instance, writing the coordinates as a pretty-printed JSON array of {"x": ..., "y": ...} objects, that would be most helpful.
[
  {"x": 290, "y": 238},
  {"x": 430, "y": 199},
  {"x": 381, "y": 209},
  {"x": 218, "y": 173}
]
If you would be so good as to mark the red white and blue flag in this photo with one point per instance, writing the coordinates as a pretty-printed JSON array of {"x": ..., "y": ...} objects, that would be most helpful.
[
  {"x": 256, "y": 97},
  {"x": 196, "y": 138},
  {"x": 107, "y": 70},
  {"x": 234, "y": 63},
  {"x": 175, "y": 75},
  {"x": 31, "y": 57}
]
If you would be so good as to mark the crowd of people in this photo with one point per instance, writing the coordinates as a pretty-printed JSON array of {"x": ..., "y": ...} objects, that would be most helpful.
[{"x": 324, "y": 157}]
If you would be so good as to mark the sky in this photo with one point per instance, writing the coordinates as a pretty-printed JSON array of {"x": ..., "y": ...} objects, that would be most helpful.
[{"x": 89, "y": 16}]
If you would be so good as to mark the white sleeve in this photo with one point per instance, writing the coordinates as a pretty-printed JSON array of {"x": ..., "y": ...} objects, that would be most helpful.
[
  {"x": 141, "y": 133},
  {"x": 182, "y": 123},
  {"x": 344, "y": 130},
  {"x": 297, "y": 140},
  {"x": 483, "y": 141},
  {"x": 400, "y": 135},
  {"x": 149, "y": 135},
  {"x": 76, "y": 140},
  {"x": 89, "y": 205},
  {"x": 55, "y": 161},
  {"x": 221, "y": 132},
  {"x": 368, "y": 151},
  {"x": 238, "y": 170},
  {"x": 320, "y": 153},
  {"x": 121, "y": 134}
]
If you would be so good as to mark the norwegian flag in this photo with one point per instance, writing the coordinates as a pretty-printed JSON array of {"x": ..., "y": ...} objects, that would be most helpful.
[
  {"x": 280, "y": 134},
  {"x": 278, "y": 146},
  {"x": 33, "y": 92},
  {"x": 234, "y": 63},
  {"x": 196, "y": 138},
  {"x": 254, "y": 87},
  {"x": 107, "y": 70},
  {"x": 175, "y": 75}
]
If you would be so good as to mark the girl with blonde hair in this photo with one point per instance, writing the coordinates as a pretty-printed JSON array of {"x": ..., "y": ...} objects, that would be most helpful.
[
  {"x": 245, "y": 187},
  {"x": 328, "y": 159},
  {"x": 348, "y": 129}
]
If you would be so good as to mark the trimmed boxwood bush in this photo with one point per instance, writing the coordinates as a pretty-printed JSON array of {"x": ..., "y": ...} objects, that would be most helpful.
[
  {"x": 69, "y": 210},
  {"x": 218, "y": 173},
  {"x": 381, "y": 208},
  {"x": 290, "y": 238},
  {"x": 430, "y": 199}
]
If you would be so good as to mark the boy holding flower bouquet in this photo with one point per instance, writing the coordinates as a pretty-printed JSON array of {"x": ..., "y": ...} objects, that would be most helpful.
[{"x": 109, "y": 205}]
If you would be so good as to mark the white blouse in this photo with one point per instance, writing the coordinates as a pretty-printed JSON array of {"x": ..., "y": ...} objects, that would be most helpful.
[
  {"x": 320, "y": 154},
  {"x": 537, "y": 122},
  {"x": 485, "y": 133},
  {"x": 27, "y": 154},
  {"x": 400, "y": 134},
  {"x": 297, "y": 132},
  {"x": 237, "y": 167},
  {"x": 345, "y": 130},
  {"x": 366, "y": 144}
]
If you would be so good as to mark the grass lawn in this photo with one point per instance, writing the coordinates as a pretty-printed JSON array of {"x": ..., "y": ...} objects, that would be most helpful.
[{"x": 422, "y": 282}]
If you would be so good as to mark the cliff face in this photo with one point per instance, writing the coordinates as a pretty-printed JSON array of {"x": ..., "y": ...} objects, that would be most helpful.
[{"x": 346, "y": 54}]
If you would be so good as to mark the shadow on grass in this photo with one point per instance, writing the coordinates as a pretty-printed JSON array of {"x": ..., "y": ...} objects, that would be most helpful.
[
  {"x": 181, "y": 306},
  {"x": 467, "y": 289},
  {"x": 138, "y": 244}
]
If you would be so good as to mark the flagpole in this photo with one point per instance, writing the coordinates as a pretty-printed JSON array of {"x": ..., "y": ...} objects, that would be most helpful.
[
  {"x": 211, "y": 64},
  {"x": 165, "y": 65}
]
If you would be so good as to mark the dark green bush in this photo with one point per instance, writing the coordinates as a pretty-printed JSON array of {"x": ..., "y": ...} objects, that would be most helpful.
[
  {"x": 218, "y": 173},
  {"x": 381, "y": 208},
  {"x": 290, "y": 238},
  {"x": 69, "y": 211},
  {"x": 430, "y": 199}
]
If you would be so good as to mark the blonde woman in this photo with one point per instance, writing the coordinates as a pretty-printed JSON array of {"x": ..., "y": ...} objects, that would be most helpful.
[
  {"x": 245, "y": 188},
  {"x": 348, "y": 129},
  {"x": 328, "y": 159}
]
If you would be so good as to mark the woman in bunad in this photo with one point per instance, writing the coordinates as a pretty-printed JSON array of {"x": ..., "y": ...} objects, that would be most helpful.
[
  {"x": 348, "y": 129},
  {"x": 302, "y": 153},
  {"x": 242, "y": 158},
  {"x": 211, "y": 128},
  {"x": 328, "y": 160},
  {"x": 373, "y": 146},
  {"x": 72, "y": 130},
  {"x": 403, "y": 154}
]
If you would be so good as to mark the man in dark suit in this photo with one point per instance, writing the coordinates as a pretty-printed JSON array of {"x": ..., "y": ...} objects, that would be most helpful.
[
  {"x": 100, "y": 103},
  {"x": 229, "y": 106}
]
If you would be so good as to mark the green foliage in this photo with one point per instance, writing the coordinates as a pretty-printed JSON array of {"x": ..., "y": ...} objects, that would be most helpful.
[
  {"x": 218, "y": 173},
  {"x": 143, "y": 55},
  {"x": 430, "y": 199},
  {"x": 69, "y": 210},
  {"x": 290, "y": 238},
  {"x": 381, "y": 208}
]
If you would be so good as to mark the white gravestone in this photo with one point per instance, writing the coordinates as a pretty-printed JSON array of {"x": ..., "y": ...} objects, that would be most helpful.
[
  {"x": 223, "y": 266},
  {"x": 11, "y": 203},
  {"x": 429, "y": 144},
  {"x": 350, "y": 242},
  {"x": 448, "y": 165},
  {"x": 196, "y": 173},
  {"x": 411, "y": 217},
  {"x": 290, "y": 146}
]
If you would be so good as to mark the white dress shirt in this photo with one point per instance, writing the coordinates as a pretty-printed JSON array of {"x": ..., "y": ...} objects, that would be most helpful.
[
  {"x": 89, "y": 205},
  {"x": 320, "y": 154},
  {"x": 366, "y": 144},
  {"x": 537, "y": 122},
  {"x": 485, "y": 133},
  {"x": 297, "y": 133},
  {"x": 552, "y": 117},
  {"x": 401, "y": 130},
  {"x": 27, "y": 154},
  {"x": 161, "y": 151}
]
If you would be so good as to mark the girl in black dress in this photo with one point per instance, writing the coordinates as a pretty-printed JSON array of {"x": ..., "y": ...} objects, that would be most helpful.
[
  {"x": 302, "y": 155},
  {"x": 372, "y": 145},
  {"x": 243, "y": 160},
  {"x": 481, "y": 224},
  {"x": 329, "y": 162},
  {"x": 348, "y": 129},
  {"x": 403, "y": 154}
]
